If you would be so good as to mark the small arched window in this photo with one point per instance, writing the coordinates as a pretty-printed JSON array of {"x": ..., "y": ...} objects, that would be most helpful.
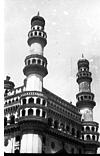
[
  {"x": 5, "y": 121},
  {"x": 38, "y": 100},
  {"x": 39, "y": 61},
  {"x": 30, "y": 112},
  {"x": 31, "y": 100},
  {"x": 82, "y": 128},
  {"x": 37, "y": 112},
  {"x": 93, "y": 137},
  {"x": 17, "y": 138},
  {"x": 62, "y": 126},
  {"x": 93, "y": 128},
  {"x": 16, "y": 151},
  {"x": 82, "y": 137},
  {"x": 33, "y": 61},
  {"x": 72, "y": 150},
  {"x": 43, "y": 114},
  {"x": 50, "y": 121},
  {"x": 39, "y": 33},
  {"x": 35, "y": 33},
  {"x": 23, "y": 112},
  {"x": 12, "y": 119},
  {"x": 88, "y": 137},
  {"x": 73, "y": 131},
  {"x": 78, "y": 134},
  {"x": 81, "y": 98},
  {"x": 28, "y": 62},
  {"x": 67, "y": 128},
  {"x": 17, "y": 99},
  {"x": 43, "y": 102},
  {"x": 24, "y": 101},
  {"x": 38, "y": 28},
  {"x": 80, "y": 151},
  {"x": 87, "y": 128},
  {"x": 56, "y": 124}
]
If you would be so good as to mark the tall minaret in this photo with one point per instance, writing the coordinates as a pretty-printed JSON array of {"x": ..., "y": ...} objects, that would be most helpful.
[
  {"x": 35, "y": 64},
  {"x": 86, "y": 103},
  {"x": 32, "y": 113}
]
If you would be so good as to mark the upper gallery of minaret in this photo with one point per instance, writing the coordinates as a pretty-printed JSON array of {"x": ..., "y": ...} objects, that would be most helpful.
[{"x": 37, "y": 38}]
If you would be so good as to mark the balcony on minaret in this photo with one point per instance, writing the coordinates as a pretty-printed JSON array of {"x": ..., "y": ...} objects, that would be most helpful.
[{"x": 37, "y": 34}]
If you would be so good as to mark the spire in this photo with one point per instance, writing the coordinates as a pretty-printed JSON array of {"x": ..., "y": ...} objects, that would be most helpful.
[
  {"x": 82, "y": 55},
  {"x": 38, "y": 14}
]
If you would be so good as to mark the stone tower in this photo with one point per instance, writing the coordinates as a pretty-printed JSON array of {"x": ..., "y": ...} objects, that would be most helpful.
[
  {"x": 86, "y": 103},
  {"x": 35, "y": 70}
]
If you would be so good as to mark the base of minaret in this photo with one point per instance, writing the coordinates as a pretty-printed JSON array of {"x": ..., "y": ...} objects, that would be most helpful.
[
  {"x": 31, "y": 143},
  {"x": 34, "y": 82}
]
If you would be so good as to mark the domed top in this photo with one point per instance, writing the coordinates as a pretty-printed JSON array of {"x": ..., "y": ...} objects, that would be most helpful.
[
  {"x": 8, "y": 84},
  {"x": 83, "y": 62},
  {"x": 37, "y": 20}
]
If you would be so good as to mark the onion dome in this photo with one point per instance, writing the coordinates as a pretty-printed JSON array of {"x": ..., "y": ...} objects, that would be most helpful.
[
  {"x": 37, "y": 20},
  {"x": 8, "y": 85},
  {"x": 83, "y": 63}
]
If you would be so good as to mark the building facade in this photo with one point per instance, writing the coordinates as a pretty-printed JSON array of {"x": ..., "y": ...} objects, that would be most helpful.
[{"x": 38, "y": 121}]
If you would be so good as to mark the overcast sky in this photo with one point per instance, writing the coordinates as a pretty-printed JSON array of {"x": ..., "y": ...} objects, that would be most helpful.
[{"x": 73, "y": 28}]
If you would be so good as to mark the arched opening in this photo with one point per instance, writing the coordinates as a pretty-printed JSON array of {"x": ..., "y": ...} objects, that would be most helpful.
[
  {"x": 5, "y": 121},
  {"x": 78, "y": 134},
  {"x": 43, "y": 63},
  {"x": 31, "y": 100},
  {"x": 81, "y": 98},
  {"x": 24, "y": 101},
  {"x": 38, "y": 100},
  {"x": 93, "y": 128},
  {"x": 50, "y": 121},
  {"x": 39, "y": 33},
  {"x": 62, "y": 126},
  {"x": 30, "y": 112},
  {"x": 12, "y": 119},
  {"x": 56, "y": 124},
  {"x": 28, "y": 62},
  {"x": 35, "y": 33},
  {"x": 72, "y": 150},
  {"x": 87, "y": 128},
  {"x": 43, "y": 102},
  {"x": 17, "y": 138},
  {"x": 52, "y": 145},
  {"x": 17, "y": 99},
  {"x": 39, "y": 61},
  {"x": 93, "y": 137},
  {"x": 16, "y": 151},
  {"x": 23, "y": 112},
  {"x": 82, "y": 137},
  {"x": 82, "y": 128},
  {"x": 43, "y": 114},
  {"x": 67, "y": 128},
  {"x": 80, "y": 151},
  {"x": 37, "y": 112},
  {"x": 33, "y": 61},
  {"x": 88, "y": 137},
  {"x": 73, "y": 131},
  {"x": 38, "y": 28}
]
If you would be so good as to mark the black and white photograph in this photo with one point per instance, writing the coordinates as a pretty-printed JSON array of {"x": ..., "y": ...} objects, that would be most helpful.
[{"x": 51, "y": 77}]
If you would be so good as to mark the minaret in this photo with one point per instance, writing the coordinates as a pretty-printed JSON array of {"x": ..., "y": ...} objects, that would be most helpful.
[
  {"x": 8, "y": 85},
  {"x": 36, "y": 64},
  {"x": 32, "y": 113},
  {"x": 86, "y": 103}
]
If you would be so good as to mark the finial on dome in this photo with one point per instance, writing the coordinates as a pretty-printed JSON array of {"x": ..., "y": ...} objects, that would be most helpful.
[
  {"x": 38, "y": 14},
  {"x": 82, "y": 55},
  {"x": 7, "y": 78}
]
